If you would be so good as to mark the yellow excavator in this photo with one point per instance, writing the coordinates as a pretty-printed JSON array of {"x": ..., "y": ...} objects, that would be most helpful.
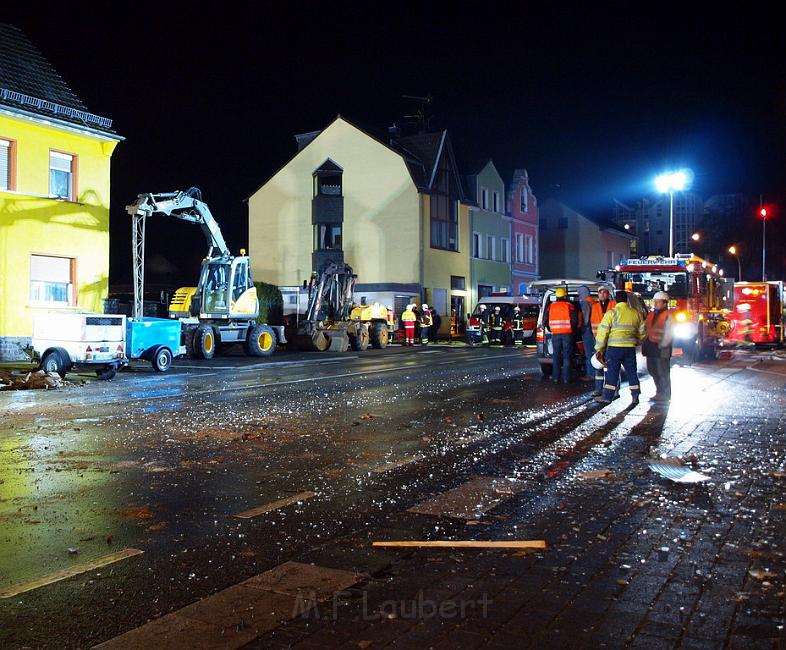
[
  {"x": 223, "y": 308},
  {"x": 334, "y": 322}
]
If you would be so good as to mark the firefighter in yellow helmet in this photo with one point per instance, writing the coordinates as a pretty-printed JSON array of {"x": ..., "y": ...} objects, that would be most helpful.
[{"x": 561, "y": 318}]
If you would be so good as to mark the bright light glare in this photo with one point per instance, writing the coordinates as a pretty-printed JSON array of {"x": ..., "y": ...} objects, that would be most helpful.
[
  {"x": 683, "y": 331},
  {"x": 733, "y": 250},
  {"x": 673, "y": 181},
  {"x": 695, "y": 236}
]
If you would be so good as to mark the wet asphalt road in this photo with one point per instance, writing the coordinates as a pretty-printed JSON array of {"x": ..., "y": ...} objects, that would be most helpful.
[{"x": 161, "y": 463}]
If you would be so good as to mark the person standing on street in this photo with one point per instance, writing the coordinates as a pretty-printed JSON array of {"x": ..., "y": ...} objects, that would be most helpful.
[
  {"x": 597, "y": 312},
  {"x": 426, "y": 321},
  {"x": 483, "y": 317},
  {"x": 496, "y": 326},
  {"x": 619, "y": 333},
  {"x": 408, "y": 318},
  {"x": 657, "y": 346},
  {"x": 562, "y": 320},
  {"x": 517, "y": 323},
  {"x": 586, "y": 302}
]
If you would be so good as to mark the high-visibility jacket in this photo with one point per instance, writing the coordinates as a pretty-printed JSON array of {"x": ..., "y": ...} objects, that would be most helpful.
[
  {"x": 561, "y": 317},
  {"x": 656, "y": 324},
  {"x": 518, "y": 322},
  {"x": 408, "y": 316},
  {"x": 426, "y": 319},
  {"x": 621, "y": 327},
  {"x": 497, "y": 321},
  {"x": 597, "y": 314}
]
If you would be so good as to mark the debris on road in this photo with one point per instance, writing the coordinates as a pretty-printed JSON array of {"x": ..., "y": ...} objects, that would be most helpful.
[
  {"x": 596, "y": 473},
  {"x": 530, "y": 544},
  {"x": 30, "y": 380},
  {"x": 675, "y": 470}
]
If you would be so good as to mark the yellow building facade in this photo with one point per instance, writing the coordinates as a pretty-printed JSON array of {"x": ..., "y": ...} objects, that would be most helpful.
[
  {"x": 54, "y": 213},
  {"x": 349, "y": 196}
]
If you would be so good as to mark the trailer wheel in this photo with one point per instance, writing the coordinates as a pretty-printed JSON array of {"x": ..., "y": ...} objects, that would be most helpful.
[
  {"x": 106, "y": 373},
  {"x": 204, "y": 342},
  {"x": 360, "y": 341},
  {"x": 54, "y": 361},
  {"x": 260, "y": 342},
  {"x": 379, "y": 335},
  {"x": 161, "y": 359}
]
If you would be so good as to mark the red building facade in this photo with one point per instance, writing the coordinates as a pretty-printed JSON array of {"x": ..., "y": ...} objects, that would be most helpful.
[{"x": 523, "y": 211}]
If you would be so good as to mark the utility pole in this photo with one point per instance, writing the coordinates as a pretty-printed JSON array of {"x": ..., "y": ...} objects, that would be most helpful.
[{"x": 763, "y": 214}]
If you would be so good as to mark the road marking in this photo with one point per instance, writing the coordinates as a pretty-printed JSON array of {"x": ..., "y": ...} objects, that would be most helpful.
[
  {"x": 70, "y": 572},
  {"x": 274, "y": 505},
  {"x": 395, "y": 464},
  {"x": 235, "y": 616}
]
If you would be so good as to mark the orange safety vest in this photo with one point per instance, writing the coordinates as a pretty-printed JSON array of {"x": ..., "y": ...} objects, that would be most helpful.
[
  {"x": 596, "y": 315},
  {"x": 656, "y": 326},
  {"x": 559, "y": 317}
]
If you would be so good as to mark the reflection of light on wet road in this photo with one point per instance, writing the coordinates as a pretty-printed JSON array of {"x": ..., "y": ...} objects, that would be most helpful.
[
  {"x": 161, "y": 406},
  {"x": 157, "y": 392}
]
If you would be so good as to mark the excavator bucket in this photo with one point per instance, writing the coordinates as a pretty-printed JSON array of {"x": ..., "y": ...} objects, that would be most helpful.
[{"x": 316, "y": 342}]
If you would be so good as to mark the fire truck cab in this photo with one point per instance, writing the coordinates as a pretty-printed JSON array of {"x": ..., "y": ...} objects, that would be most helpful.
[
  {"x": 699, "y": 297},
  {"x": 758, "y": 314}
]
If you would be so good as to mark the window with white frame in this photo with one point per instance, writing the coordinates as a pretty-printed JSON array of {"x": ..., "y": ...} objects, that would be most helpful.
[
  {"x": 524, "y": 200},
  {"x": 491, "y": 245},
  {"x": 51, "y": 280},
  {"x": 61, "y": 175},
  {"x": 484, "y": 198},
  {"x": 529, "y": 247},
  {"x": 6, "y": 152},
  {"x": 519, "y": 247},
  {"x": 503, "y": 249},
  {"x": 476, "y": 245},
  {"x": 496, "y": 201}
]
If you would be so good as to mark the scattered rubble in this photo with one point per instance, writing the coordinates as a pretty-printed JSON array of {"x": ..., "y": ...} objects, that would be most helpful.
[{"x": 30, "y": 380}]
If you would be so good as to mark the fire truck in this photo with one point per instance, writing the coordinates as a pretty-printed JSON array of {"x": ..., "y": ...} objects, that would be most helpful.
[
  {"x": 757, "y": 318},
  {"x": 699, "y": 297}
]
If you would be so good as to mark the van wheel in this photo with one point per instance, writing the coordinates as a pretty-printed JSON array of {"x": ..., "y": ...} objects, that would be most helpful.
[
  {"x": 106, "y": 373},
  {"x": 54, "y": 361},
  {"x": 162, "y": 359}
]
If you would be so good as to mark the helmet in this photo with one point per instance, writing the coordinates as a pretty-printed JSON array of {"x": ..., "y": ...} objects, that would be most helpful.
[
  {"x": 661, "y": 295},
  {"x": 496, "y": 308},
  {"x": 597, "y": 363},
  {"x": 517, "y": 308},
  {"x": 425, "y": 306},
  {"x": 482, "y": 307},
  {"x": 560, "y": 292}
]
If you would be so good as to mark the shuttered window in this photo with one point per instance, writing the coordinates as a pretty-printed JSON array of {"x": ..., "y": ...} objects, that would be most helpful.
[
  {"x": 61, "y": 175},
  {"x": 6, "y": 152},
  {"x": 50, "y": 280}
]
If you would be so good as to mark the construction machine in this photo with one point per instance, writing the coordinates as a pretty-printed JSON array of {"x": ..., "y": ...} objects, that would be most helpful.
[
  {"x": 223, "y": 308},
  {"x": 333, "y": 321}
]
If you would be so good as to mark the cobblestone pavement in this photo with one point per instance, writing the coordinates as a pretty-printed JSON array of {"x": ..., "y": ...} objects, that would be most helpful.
[{"x": 633, "y": 559}]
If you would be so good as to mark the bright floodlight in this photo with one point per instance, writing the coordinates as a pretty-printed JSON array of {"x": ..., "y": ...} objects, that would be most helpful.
[
  {"x": 673, "y": 181},
  {"x": 733, "y": 250}
]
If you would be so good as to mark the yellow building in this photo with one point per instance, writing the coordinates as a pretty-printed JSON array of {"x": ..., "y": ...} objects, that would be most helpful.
[
  {"x": 54, "y": 195},
  {"x": 394, "y": 210}
]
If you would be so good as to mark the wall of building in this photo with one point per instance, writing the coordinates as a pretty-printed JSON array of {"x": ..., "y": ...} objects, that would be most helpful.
[
  {"x": 381, "y": 212},
  {"x": 524, "y": 213},
  {"x": 31, "y": 223}
]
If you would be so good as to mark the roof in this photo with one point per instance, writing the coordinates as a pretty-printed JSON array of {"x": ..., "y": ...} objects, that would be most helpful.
[{"x": 28, "y": 82}]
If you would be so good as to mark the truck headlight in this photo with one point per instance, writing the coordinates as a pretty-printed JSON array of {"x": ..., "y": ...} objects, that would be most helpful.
[{"x": 684, "y": 331}]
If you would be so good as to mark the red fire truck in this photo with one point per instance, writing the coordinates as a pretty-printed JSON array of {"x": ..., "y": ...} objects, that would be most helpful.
[
  {"x": 700, "y": 298},
  {"x": 528, "y": 305},
  {"x": 757, "y": 318}
]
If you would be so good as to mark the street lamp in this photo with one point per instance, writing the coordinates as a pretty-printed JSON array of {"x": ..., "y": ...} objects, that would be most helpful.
[
  {"x": 695, "y": 236},
  {"x": 671, "y": 182},
  {"x": 763, "y": 215},
  {"x": 733, "y": 251}
]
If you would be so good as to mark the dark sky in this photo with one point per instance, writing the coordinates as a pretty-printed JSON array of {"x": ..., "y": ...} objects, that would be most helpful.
[{"x": 593, "y": 101}]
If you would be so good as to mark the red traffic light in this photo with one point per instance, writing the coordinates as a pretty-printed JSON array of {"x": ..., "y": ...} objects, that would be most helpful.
[{"x": 763, "y": 213}]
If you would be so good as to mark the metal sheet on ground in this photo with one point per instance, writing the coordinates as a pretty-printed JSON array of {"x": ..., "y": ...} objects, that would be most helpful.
[
  {"x": 470, "y": 500},
  {"x": 75, "y": 570},
  {"x": 274, "y": 505},
  {"x": 293, "y": 578}
]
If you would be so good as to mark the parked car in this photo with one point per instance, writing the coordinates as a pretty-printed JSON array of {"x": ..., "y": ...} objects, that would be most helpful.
[
  {"x": 529, "y": 309},
  {"x": 545, "y": 289}
]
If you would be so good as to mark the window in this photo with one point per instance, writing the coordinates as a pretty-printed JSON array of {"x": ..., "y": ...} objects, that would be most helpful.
[
  {"x": 476, "y": 245},
  {"x": 524, "y": 200},
  {"x": 496, "y": 201},
  {"x": 444, "y": 209},
  {"x": 530, "y": 249},
  {"x": 490, "y": 247},
  {"x": 328, "y": 179},
  {"x": 327, "y": 236},
  {"x": 457, "y": 283},
  {"x": 503, "y": 252},
  {"x": 519, "y": 247},
  {"x": 51, "y": 280},
  {"x": 484, "y": 198},
  {"x": 61, "y": 175},
  {"x": 484, "y": 290},
  {"x": 7, "y": 151}
]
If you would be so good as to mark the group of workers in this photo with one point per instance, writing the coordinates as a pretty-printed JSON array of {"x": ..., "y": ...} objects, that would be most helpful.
[
  {"x": 610, "y": 331},
  {"x": 412, "y": 317},
  {"x": 493, "y": 323}
]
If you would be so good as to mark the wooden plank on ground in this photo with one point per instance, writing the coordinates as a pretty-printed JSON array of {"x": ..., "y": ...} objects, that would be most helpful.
[
  {"x": 527, "y": 544},
  {"x": 275, "y": 505},
  {"x": 70, "y": 572}
]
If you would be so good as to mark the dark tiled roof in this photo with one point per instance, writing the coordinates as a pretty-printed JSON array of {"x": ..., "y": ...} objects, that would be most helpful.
[
  {"x": 28, "y": 81},
  {"x": 420, "y": 152}
]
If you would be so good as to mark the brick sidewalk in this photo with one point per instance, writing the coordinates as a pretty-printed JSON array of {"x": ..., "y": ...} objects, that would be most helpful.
[{"x": 634, "y": 560}]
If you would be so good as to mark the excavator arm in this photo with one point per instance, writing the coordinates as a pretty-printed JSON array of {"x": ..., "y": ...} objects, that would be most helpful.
[{"x": 333, "y": 295}]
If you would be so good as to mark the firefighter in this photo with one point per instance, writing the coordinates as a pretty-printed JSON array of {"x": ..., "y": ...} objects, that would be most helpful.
[
  {"x": 496, "y": 326},
  {"x": 586, "y": 301},
  {"x": 619, "y": 333},
  {"x": 426, "y": 321},
  {"x": 657, "y": 346},
  {"x": 518, "y": 327},
  {"x": 483, "y": 317},
  {"x": 597, "y": 312},
  {"x": 562, "y": 320},
  {"x": 408, "y": 318}
]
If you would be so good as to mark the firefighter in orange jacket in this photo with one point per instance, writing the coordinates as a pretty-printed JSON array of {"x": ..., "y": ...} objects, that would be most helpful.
[
  {"x": 562, "y": 320},
  {"x": 657, "y": 346}
]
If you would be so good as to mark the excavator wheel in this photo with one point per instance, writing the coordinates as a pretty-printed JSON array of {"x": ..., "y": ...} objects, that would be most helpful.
[
  {"x": 261, "y": 341},
  {"x": 359, "y": 342},
  {"x": 379, "y": 335},
  {"x": 204, "y": 342}
]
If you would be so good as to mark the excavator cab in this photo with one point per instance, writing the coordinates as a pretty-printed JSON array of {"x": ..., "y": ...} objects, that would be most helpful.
[{"x": 225, "y": 290}]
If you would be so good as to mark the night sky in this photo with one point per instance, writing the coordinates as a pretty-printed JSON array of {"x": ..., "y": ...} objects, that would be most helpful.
[{"x": 592, "y": 103}]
